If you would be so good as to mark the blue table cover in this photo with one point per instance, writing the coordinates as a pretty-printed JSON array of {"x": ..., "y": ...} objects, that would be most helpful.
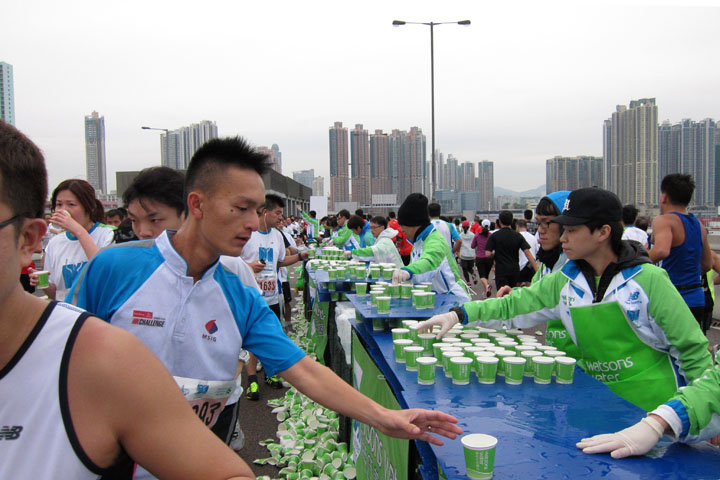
[
  {"x": 402, "y": 307},
  {"x": 537, "y": 426}
]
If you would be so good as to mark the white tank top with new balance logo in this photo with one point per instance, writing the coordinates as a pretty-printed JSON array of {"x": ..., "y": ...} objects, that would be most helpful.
[{"x": 37, "y": 439}]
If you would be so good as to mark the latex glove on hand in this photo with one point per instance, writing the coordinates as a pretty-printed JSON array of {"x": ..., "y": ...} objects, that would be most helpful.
[
  {"x": 400, "y": 276},
  {"x": 445, "y": 320},
  {"x": 636, "y": 440}
]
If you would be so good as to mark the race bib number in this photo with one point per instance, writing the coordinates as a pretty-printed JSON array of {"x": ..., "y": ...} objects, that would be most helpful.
[
  {"x": 206, "y": 397},
  {"x": 267, "y": 281}
]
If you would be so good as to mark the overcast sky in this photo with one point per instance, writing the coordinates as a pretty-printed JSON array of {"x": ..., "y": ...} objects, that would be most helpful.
[{"x": 525, "y": 82}]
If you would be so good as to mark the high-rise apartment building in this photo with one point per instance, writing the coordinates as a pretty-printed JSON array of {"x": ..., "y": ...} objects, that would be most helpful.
[
  {"x": 178, "y": 146},
  {"x": 274, "y": 157},
  {"x": 305, "y": 177},
  {"x": 339, "y": 163},
  {"x": 571, "y": 173},
  {"x": 360, "y": 165},
  {"x": 7, "y": 94},
  {"x": 486, "y": 184},
  {"x": 689, "y": 147},
  {"x": 318, "y": 186},
  {"x": 407, "y": 162},
  {"x": 467, "y": 179},
  {"x": 380, "y": 177},
  {"x": 95, "y": 152},
  {"x": 450, "y": 174},
  {"x": 630, "y": 153}
]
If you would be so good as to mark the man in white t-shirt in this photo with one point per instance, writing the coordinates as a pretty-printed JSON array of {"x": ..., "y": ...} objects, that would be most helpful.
[
  {"x": 526, "y": 271},
  {"x": 265, "y": 254}
]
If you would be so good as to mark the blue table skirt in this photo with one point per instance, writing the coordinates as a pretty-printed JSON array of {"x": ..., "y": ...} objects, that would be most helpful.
[{"x": 537, "y": 426}]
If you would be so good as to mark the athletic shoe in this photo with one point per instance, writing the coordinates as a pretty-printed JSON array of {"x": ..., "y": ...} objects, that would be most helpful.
[
  {"x": 273, "y": 381},
  {"x": 253, "y": 391},
  {"x": 237, "y": 439}
]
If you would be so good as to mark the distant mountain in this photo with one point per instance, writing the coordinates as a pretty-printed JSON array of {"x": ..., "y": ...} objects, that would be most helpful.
[{"x": 535, "y": 192}]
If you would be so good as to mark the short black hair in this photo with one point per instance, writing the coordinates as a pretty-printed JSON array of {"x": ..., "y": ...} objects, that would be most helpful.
[
  {"x": 359, "y": 212},
  {"x": 528, "y": 214},
  {"x": 212, "y": 159},
  {"x": 344, "y": 213},
  {"x": 521, "y": 223},
  {"x": 616, "y": 231},
  {"x": 506, "y": 218},
  {"x": 273, "y": 201},
  {"x": 331, "y": 221},
  {"x": 356, "y": 221},
  {"x": 313, "y": 213},
  {"x": 642, "y": 223},
  {"x": 679, "y": 188},
  {"x": 434, "y": 209},
  {"x": 114, "y": 212},
  {"x": 23, "y": 177},
  {"x": 159, "y": 184},
  {"x": 85, "y": 193},
  {"x": 629, "y": 214},
  {"x": 379, "y": 220},
  {"x": 391, "y": 214}
]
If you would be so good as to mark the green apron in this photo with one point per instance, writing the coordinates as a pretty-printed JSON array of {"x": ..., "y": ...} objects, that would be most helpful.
[
  {"x": 614, "y": 354},
  {"x": 557, "y": 336}
]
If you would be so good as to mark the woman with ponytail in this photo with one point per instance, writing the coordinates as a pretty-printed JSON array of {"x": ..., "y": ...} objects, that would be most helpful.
[{"x": 76, "y": 210}]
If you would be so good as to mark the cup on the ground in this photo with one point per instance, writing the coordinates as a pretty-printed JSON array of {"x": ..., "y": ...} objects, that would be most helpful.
[
  {"x": 514, "y": 370},
  {"x": 412, "y": 353},
  {"x": 426, "y": 370},
  {"x": 487, "y": 369},
  {"x": 543, "y": 369},
  {"x": 399, "y": 346},
  {"x": 564, "y": 369},
  {"x": 383, "y": 304},
  {"x": 460, "y": 368},
  {"x": 479, "y": 455},
  {"x": 43, "y": 277}
]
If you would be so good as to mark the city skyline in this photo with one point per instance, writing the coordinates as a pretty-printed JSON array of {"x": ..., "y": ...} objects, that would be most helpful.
[{"x": 524, "y": 83}]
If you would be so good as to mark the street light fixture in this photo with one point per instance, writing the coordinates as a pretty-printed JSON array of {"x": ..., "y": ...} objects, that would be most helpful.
[
  {"x": 167, "y": 141},
  {"x": 399, "y": 23}
]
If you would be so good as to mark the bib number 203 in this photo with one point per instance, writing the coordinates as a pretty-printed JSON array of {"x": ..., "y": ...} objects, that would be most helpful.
[{"x": 207, "y": 411}]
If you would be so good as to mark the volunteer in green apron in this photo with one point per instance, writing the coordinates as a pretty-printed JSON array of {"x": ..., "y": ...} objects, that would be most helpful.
[{"x": 632, "y": 329}]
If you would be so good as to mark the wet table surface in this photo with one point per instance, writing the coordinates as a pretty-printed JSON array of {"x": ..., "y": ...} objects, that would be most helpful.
[{"x": 537, "y": 426}]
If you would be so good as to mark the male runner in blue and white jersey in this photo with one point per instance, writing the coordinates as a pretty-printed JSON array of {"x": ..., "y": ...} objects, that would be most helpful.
[
  {"x": 197, "y": 317},
  {"x": 80, "y": 398}
]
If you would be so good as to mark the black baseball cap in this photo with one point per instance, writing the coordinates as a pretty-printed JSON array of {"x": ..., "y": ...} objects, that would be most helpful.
[{"x": 589, "y": 204}]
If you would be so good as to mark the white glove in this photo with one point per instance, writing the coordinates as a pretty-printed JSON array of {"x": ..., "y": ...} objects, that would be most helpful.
[
  {"x": 635, "y": 440},
  {"x": 400, "y": 276},
  {"x": 445, "y": 320}
]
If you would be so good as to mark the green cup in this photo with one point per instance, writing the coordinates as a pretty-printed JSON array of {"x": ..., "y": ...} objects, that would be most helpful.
[
  {"x": 546, "y": 348},
  {"x": 406, "y": 290},
  {"x": 430, "y": 300},
  {"x": 524, "y": 348},
  {"x": 426, "y": 370},
  {"x": 378, "y": 324},
  {"x": 415, "y": 294},
  {"x": 375, "y": 273},
  {"x": 383, "y": 305},
  {"x": 426, "y": 340},
  {"x": 471, "y": 351},
  {"x": 447, "y": 355},
  {"x": 332, "y": 286},
  {"x": 502, "y": 355},
  {"x": 529, "y": 365},
  {"x": 480, "y": 341},
  {"x": 479, "y": 455},
  {"x": 412, "y": 353},
  {"x": 374, "y": 294},
  {"x": 487, "y": 369},
  {"x": 414, "y": 333},
  {"x": 460, "y": 368},
  {"x": 394, "y": 291},
  {"x": 335, "y": 297},
  {"x": 400, "y": 345},
  {"x": 514, "y": 370},
  {"x": 564, "y": 369},
  {"x": 43, "y": 277},
  {"x": 543, "y": 369},
  {"x": 398, "y": 333},
  {"x": 361, "y": 289},
  {"x": 427, "y": 286}
]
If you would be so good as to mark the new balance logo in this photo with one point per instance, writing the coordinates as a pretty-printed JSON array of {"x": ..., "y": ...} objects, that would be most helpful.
[{"x": 10, "y": 433}]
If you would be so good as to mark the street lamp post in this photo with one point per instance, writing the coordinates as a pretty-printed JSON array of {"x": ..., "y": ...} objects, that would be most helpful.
[
  {"x": 399, "y": 23},
  {"x": 167, "y": 141}
]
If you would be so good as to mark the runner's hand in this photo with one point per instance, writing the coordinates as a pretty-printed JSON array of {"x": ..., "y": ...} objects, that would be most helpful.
[
  {"x": 445, "y": 320},
  {"x": 418, "y": 424},
  {"x": 635, "y": 440},
  {"x": 400, "y": 276},
  {"x": 33, "y": 277},
  {"x": 504, "y": 290},
  {"x": 257, "y": 266}
]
